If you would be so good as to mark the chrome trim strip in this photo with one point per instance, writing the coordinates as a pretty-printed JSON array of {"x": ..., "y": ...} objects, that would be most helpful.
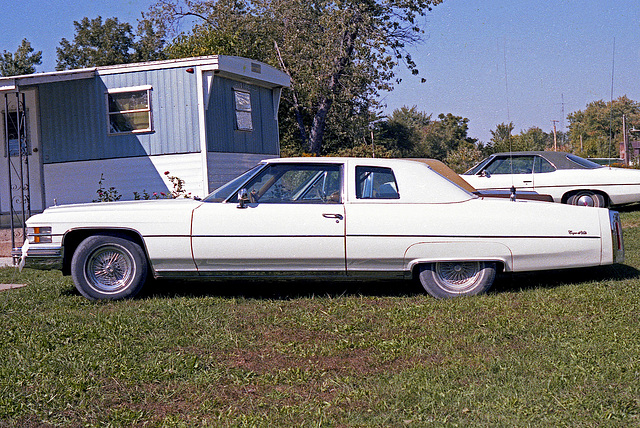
[
  {"x": 269, "y": 236},
  {"x": 41, "y": 258},
  {"x": 474, "y": 236},
  {"x": 268, "y": 275}
]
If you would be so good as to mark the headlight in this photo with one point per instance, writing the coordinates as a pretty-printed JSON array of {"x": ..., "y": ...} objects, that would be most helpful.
[{"x": 39, "y": 235}]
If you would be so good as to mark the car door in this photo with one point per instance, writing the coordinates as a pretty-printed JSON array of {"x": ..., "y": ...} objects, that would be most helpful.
[
  {"x": 292, "y": 222},
  {"x": 374, "y": 211},
  {"x": 545, "y": 176},
  {"x": 505, "y": 171}
]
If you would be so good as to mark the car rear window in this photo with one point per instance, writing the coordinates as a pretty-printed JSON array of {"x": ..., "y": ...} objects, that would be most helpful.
[
  {"x": 584, "y": 163},
  {"x": 376, "y": 183}
]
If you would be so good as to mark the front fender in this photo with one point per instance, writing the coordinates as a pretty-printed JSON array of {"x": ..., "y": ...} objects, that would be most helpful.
[{"x": 448, "y": 251}]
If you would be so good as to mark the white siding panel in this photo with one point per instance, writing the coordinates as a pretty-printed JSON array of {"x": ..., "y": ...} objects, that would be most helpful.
[
  {"x": 223, "y": 167},
  {"x": 77, "y": 182}
]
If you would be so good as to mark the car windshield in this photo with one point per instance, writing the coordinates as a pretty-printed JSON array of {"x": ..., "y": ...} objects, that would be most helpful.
[
  {"x": 479, "y": 167},
  {"x": 227, "y": 190},
  {"x": 583, "y": 162},
  {"x": 295, "y": 183}
]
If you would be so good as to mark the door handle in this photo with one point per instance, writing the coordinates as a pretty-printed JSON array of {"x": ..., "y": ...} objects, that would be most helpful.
[{"x": 336, "y": 216}]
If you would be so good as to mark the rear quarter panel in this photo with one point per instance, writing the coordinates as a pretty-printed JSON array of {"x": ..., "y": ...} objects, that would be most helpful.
[{"x": 523, "y": 235}]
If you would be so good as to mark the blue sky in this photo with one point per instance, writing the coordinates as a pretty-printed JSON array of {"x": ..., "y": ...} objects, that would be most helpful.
[{"x": 491, "y": 61}]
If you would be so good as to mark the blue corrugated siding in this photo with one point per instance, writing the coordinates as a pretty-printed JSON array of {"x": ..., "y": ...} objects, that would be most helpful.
[
  {"x": 74, "y": 120},
  {"x": 222, "y": 134}
]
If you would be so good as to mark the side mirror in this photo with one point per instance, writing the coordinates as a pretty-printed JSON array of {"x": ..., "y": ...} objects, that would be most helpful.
[
  {"x": 243, "y": 198},
  {"x": 484, "y": 173}
]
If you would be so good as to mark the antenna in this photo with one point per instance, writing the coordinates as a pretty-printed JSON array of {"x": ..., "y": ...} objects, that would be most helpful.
[
  {"x": 613, "y": 68},
  {"x": 512, "y": 197},
  {"x": 506, "y": 81}
]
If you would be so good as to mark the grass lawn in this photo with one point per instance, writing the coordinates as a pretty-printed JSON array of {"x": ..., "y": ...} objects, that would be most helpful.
[{"x": 544, "y": 349}]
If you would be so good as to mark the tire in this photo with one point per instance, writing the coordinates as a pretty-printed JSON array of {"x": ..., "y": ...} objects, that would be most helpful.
[
  {"x": 444, "y": 280},
  {"x": 587, "y": 198},
  {"x": 108, "y": 267}
]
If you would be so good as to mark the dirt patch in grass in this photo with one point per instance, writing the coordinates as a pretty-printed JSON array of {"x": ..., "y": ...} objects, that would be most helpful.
[{"x": 5, "y": 241}]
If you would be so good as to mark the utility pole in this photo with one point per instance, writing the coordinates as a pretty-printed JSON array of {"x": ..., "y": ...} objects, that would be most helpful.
[
  {"x": 625, "y": 152},
  {"x": 555, "y": 136}
]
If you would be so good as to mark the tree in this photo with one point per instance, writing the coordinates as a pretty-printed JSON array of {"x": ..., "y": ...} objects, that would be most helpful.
[
  {"x": 501, "y": 138},
  {"x": 445, "y": 135},
  {"x": 597, "y": 131},
  {"x": 533, "y": 139},
  {"x": 112, "y": 42},
  {"x": 22, "y": 62},
  {"x": 336, "y": 52},
  {"x": 404, "y": 130},
  {"x": 411, "y": 133},
  {"x": 463, "y": 158},
  {"x": 150, "y": 43}
]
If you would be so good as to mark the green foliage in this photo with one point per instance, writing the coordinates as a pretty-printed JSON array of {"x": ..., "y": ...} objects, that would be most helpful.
[
  {"x": 365, "y": 151},
  {"x": 501, "y": 138},
  {"x": 22, "y": 62},
  {"x": 463, "y": 158},
  {"x": 177, "y": 184},
  {"x": 411, "y": 133},
  {"x": 533, "y": 138},
  {"x": 445, "y": 135},
  {"x": 597, "y": 131},
  {"x": 99, "y": 44},
  {"x": 111, "y": 194},
  {"x": 106, "y": 195},
  {"x": 404, "y": 131}
]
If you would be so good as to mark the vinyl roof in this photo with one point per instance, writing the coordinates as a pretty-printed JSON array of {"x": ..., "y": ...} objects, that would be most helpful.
[{"x": 558, "y": 159}]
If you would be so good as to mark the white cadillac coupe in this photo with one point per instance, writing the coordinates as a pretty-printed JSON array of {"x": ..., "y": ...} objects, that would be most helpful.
[
  {"x": 346, "y": 218},
  {"x": 568, "y": 178}
]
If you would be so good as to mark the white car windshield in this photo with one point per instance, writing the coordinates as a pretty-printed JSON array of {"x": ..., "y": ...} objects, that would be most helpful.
[{"x": 227, "y": 190}]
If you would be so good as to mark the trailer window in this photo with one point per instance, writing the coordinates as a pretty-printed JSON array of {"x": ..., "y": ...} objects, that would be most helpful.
[
  {"x": 243, "y": 110},
  {"x": 129, "y": 110}
]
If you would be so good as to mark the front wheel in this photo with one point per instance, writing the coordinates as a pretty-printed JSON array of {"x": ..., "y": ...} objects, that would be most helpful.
[
  {"x": 444, "y": 280},
  {"x": 108, "y": 267}
]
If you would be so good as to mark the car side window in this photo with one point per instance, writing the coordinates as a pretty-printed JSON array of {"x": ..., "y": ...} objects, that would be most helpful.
[
  {"x": 376, "y": 183},
  {"x": 511, "y": 165},
  {"x": 296, "y": 183},
  {"x": 541, "y": 165}
]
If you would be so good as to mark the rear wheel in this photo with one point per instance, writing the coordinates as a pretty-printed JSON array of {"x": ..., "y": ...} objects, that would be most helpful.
[
  {"x": 444, "y": 280},
  {"x": 108, "y": 267},
  {"x": 587, "y": 198}
]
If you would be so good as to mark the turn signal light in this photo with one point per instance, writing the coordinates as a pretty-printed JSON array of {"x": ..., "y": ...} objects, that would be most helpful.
[{"x": 39, "y": 235}]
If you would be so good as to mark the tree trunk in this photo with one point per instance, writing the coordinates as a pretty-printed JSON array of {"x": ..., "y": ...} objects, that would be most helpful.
[
  {"x": 296, "y": 105},
  {"x": 316, "y": 134},
  {"x": 317, "y": 128}
]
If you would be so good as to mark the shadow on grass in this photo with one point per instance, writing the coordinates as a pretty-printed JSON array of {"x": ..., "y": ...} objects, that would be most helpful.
[
  {"x": 287, "y": 290},
  {"x": 278, "y": 290},
  {"x": 627, "y": 208},
  {"x": 549, "y": 279}
]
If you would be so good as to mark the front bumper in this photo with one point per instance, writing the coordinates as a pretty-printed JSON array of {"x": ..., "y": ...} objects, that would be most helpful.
[{"x": 44, "y": 258}]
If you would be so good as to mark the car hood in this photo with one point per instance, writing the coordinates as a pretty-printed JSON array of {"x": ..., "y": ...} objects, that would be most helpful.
[{"x": 148, "y": 217}]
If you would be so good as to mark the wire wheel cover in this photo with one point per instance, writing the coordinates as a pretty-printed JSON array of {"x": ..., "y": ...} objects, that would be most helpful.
[
  {"x": 110, "y": 268},
  {"x": 458, "y": 276}
]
